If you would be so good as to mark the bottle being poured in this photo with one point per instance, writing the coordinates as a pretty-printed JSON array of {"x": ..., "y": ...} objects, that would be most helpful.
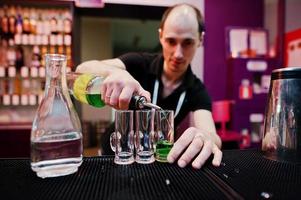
[{"x": 86, "y": 89}]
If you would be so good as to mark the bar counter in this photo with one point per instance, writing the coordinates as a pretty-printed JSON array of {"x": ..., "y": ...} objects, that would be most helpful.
[{"x": 243, "y": 174}]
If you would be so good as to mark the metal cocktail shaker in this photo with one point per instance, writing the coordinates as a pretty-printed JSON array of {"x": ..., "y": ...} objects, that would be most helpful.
[{"x": 282, "y": 125}]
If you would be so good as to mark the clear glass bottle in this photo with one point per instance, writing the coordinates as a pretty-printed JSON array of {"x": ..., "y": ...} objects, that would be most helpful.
[{"x": 56, "y": 135}]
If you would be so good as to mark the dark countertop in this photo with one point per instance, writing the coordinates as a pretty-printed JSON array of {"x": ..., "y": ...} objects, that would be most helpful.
[{"x": 244, "y": 174}]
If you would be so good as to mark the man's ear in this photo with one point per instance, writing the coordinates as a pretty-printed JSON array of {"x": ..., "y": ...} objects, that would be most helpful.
[
  {"x": 201, "y": 39},
  {"x": 160, "y": 34}
]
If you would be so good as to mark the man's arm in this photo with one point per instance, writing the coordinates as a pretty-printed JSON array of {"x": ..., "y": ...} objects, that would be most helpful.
[
  {"x": 203, "y": 120},
  {"x": 103, "y": 67},
  {"x": 118, "y": 86},
  {"x": 197, "y": 143}
]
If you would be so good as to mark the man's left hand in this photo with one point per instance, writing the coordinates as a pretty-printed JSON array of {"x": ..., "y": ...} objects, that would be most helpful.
[{"x": 194, "y": 144}]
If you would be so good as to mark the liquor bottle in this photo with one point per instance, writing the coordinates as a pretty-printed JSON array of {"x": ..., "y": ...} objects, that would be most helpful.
[
  {"x": 26, "y": 83},
  {"x": 245, "y": 90},
  {"x": 2, "y": 81},
  {"x": 1, "y": 16},
  {"x": 33, "y": 21},
  {"x": 53, "y": 22},
  {"x": 86, "y": 89},
  {"x": 67, "y": 22},
  {"x": 26, "y": 22},
  {"x": 12, "y": 20},
  {"x": 5, "y": 23},
  {"x": 56, "y": 135},
  {"x": 39, "y": 26},
  {"x": 19, "y": 21}
]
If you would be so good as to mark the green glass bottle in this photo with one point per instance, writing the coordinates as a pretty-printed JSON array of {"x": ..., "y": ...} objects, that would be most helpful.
[{"x": 86, "y": 89}]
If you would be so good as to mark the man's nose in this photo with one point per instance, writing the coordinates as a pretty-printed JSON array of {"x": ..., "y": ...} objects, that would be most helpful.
[{"x": 178, "y": 51}]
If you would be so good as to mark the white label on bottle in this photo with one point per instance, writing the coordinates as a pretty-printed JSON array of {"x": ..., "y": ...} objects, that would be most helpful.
[
  {"x": 53, "y": 40},
  {"x": 2, "y": 71},
  {"x": 11, "y": 71},
  {"x": 256, "y": 117},
  {"x": 32, "y": 40},
  {"x": 6, "y": 100},
  {"x": 24, "y": 99},
  {"x": 15, "y": 100},
  {"x": 245, "y": 92},
  {"x": 11, "y": 42},
  {"x": 257, "y": 66},
  {"x": 24, "y": 71},
  {"x": 38, "y": 39},
  {"x": 32, "y": 99},
  {"x": 46, "y": 27},
  {"x": 18, "y": 39},
  {"x": 36, "y": 49},
  {"x": 26, "y": 84},
  {"x": 60, "y": 25},
  {"x": 33, "y": 71},
  {"x": 42, "y": 72},
  {"x": 24, "y": 39},
  {"x": 45, "y": 39},
  {"x": 39, "y": 27},
  {"x": 67, "y": 40},
  {"x": 59, "y": 39},
  {"x": 11, "y": 56}
]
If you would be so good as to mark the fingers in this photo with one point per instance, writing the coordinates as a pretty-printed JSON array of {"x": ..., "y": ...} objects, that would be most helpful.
[
  {"x": 125, "y": 98},
  {"x": 114, "y": 97},
  {"x": 179, "y": 146},
  {"x": 203, "y": 155},
  {"x": 103, "y": 90},
  {"x": 144, "y": 93},
  {"x": 218, "y": 154},
  {"x": 191, "y": 152}
]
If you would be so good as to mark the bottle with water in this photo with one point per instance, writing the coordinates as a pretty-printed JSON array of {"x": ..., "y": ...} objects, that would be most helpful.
[{"x": 56, "y": 135}]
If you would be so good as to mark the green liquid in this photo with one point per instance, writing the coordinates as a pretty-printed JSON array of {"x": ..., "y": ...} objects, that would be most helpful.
[
  {"x": 95, "y": 100},
  {"x": 163, "y": 147}
]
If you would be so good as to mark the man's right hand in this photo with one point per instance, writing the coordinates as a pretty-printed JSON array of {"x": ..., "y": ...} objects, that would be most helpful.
[{"x": 118, "y": 89}]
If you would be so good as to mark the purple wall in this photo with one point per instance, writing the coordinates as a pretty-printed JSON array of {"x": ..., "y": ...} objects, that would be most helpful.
[{"x": 218, "y": 15}]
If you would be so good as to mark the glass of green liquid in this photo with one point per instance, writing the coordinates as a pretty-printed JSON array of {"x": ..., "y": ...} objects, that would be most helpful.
[{"x": 164, "y": 134}]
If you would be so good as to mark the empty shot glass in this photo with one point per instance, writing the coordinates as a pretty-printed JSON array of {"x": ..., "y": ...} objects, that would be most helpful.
[
  {"x": 144, "y": 136},
  {"x": 164, "y": 134},
  {"x": 122, "y": 140}
]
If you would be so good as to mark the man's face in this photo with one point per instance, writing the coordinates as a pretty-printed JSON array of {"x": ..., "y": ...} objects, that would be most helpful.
[{"x": 179, "y": 39}]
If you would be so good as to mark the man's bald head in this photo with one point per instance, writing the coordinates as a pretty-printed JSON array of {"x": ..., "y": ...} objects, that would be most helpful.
[{"x": 184, "y": 12}]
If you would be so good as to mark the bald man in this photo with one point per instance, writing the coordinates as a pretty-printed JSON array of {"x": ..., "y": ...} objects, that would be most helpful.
[{"x": 166, "y": 79}]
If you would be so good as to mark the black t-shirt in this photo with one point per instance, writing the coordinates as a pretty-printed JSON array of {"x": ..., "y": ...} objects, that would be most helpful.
[{"x": 146, "y": 68}]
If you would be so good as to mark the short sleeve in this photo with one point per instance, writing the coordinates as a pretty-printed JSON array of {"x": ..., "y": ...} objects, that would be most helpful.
[{"x": 200, "y": 98}]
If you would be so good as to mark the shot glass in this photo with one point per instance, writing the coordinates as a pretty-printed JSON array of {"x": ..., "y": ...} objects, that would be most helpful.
[
  {"x": 164, "y": 134},
  {"x": 144, "y": 136},
  {"x": 122, "y": 140}
]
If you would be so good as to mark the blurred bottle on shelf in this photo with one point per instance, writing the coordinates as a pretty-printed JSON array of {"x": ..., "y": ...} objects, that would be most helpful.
[
  {"x": 2, "y": 81},
  {"x": 4, "y": 23},
  {"x": 12, "y": 21},
  {"x": 19, "y": 21},
  {"x": 26, "y": 21},
  {"x": 245, "y": 90},
  {"x": 26, "y": 86}
]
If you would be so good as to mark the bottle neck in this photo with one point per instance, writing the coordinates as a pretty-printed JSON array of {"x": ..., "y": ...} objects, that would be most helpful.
[{"x": 55, "y": 74}]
